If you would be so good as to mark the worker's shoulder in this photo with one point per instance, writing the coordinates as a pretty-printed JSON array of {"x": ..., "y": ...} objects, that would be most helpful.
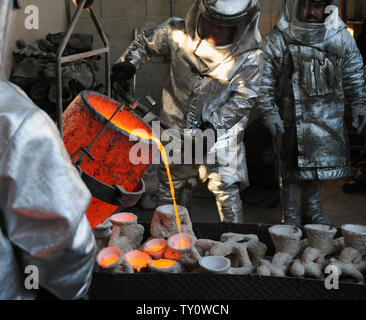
[
  {"x": 174, "y": 23},
  {"x": 274, "y": 43},
  {"x": 16, "y": 110},
  {"x": 274, "y": 36}
]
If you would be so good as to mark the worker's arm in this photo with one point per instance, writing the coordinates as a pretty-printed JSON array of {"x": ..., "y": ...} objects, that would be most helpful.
[
  {"x": 272, "y": 67},
  {"x": 353, "y": 81},
  {"x": 245, "y": 89},
  {"x": 152, "y": 41}
]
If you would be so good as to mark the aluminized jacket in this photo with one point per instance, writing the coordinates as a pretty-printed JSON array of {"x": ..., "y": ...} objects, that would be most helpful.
[
  {"x": 309, "y": 84},
  {"x": 42, "y": 205},
  {"x": 211, "y": 84}
]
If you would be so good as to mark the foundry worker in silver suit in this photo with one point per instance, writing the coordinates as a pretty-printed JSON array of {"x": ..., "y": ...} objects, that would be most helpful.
[
  {"x": 312, "y": 71},
  {"x": 213, "y": 82},
  {"x": 45, "y": 238}
]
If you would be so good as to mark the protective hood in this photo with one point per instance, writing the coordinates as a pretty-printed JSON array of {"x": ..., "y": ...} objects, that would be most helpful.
[
  {"x": 244, "y": 14},
  {"x": 6, "y": 23},
  {"x": 309, "y": 33}
]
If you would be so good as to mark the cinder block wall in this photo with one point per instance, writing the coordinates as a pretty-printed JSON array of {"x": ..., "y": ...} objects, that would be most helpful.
[
  {"x": 119, "y": 18},
  {"x": 52, "y": 19}
]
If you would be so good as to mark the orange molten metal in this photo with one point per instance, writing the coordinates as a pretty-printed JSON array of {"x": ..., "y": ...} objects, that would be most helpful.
[
  {"x": 105, "y": 262},
  {"x": 83, "y": 120},
  {"x": 108, "y": 256},
  {"x": 156, "y": 247},
  {"x": 182, "y": 244},
  {"x": 137, "y": 259},
  {"x": 111, "y": 151},
  {"x": 162, "y": 263},
  {"x": 124, "y": 217}
]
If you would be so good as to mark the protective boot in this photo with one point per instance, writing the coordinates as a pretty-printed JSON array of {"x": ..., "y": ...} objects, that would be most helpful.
[
  {"x": 291, "y": 209},
  {"x": 228, "y": 201},
  {"x": 311, "y": 210}
]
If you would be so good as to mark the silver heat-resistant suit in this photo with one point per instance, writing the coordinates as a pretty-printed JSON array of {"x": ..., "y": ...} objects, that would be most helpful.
[
  {"x": 208, "y": 84},
  {"x": 310, "y": 74},
  {"x": 45, "y": 236}
]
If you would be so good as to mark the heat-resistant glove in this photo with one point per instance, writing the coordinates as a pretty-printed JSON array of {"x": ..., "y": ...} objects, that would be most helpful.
[
  {"x": 359, "y": 117},
  {"x": 274, "y": 123},
  {"x": 122, "y": 72}
]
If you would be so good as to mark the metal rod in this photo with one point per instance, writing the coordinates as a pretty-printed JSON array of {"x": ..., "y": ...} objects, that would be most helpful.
[
  {"x": 86, "y": 150},
  {"x": 60, "y": 59},
  {"x": 83, "y": 55},
  {"x": 107, "y": 54},
  {"x": 68, "y": 13},
  {"x": 134, "y": 76},
  {"x": 60, "y": 51},
  {"x": 171, "y": 8}
]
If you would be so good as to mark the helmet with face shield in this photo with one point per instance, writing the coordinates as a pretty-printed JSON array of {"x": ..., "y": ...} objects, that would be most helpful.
[
  {"x": 311, "y": 21},
  {"x": 219, "y": 20}
]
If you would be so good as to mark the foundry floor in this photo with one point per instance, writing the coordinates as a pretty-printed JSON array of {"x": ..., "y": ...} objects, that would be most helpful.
[{"x": 338, "y": 207}]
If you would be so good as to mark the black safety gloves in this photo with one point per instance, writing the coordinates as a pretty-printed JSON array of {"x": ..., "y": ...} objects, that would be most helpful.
[{"x": 122, "y": 72}]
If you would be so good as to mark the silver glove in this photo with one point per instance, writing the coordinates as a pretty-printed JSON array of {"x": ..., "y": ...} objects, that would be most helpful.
[{"x": 274, "y": 123}]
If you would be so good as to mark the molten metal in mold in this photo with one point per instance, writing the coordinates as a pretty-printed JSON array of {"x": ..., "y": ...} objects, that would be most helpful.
[
  {"x": 108, "y": 256},
  {"x": 155, "y": 247},
  {"x": 137, "y": 259},
  {"x": 181, "y": 242},
  {"x": 162, "y": 263},
  {"x": 124, "y": 217}
]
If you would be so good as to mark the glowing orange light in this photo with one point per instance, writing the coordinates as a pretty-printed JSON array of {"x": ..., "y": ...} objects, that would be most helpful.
[
  {"x": 182, "y": 244},
  {"x": 123, "y": 217},
  {"x": 137, "y": 259},
  {"x": 83, "y": 120},
  {"x": 138, "y": 263},
  {"x": 172, "y": 254},
  {"x": 107, "y": 261},
  {"x": 110, "y": 149},
  {"x": 162, "y": 263},
  {"x": 108, "y": 256},
  {"x": 127, "y": 122},
  {"x": 155, "y": 247}
]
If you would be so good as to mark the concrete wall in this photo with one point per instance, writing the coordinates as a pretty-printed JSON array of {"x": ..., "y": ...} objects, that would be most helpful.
[
  {"x": 52, "y": 19},
  {"x": 119, "y": 18}
]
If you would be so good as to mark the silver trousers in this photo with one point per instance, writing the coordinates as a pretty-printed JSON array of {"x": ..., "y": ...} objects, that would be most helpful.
[
  {"x": 227, "y": 195},
  {"x": 301, "y": 198}
]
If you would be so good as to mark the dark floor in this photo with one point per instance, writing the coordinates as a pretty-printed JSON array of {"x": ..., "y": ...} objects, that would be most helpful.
[{"x": 338, "y": 207}]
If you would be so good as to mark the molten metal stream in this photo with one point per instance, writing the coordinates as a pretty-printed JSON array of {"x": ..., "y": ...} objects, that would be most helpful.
[{"x": 142, "y": 134}]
